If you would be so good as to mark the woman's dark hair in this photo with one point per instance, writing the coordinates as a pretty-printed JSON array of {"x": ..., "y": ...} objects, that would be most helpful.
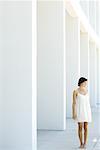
[{"x": 81, "y": 80}]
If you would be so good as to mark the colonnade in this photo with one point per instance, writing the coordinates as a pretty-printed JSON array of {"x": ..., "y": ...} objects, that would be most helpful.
[
  {"x": 61, "y": 33},
  {"x": 68, "y": 48}
]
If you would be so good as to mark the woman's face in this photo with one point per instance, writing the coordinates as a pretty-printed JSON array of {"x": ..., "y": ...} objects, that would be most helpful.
[{"x": 84, "y": 84}]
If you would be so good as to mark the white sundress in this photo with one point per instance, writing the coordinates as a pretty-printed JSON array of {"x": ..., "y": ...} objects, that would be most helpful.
[{"x": 83, "y": 108}]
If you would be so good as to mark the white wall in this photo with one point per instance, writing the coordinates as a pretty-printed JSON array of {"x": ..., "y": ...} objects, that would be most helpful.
[
  {"x": 15, "y": 76},
  {"x": 51, "y": 98},
  {"x": 85, "y": 7},
  {"x": 72, "y": 58},
  {"x": 92, "y": 14}
]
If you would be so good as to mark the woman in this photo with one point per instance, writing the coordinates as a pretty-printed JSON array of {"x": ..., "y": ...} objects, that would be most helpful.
[{"x": 82, "y": 110}]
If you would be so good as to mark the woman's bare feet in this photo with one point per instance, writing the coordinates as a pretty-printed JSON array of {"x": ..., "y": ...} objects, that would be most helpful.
[
  {"x": 84, "y": 145},
  {"x": 81, "y": 146}
]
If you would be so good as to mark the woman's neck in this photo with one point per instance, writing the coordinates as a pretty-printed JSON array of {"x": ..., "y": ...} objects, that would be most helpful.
[{"x": 82, "y": 88}]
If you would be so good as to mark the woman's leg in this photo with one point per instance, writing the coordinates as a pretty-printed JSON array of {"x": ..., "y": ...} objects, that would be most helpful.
[
  {"x": 80, "y": 132},
  {"x": 85, "y": 132}
]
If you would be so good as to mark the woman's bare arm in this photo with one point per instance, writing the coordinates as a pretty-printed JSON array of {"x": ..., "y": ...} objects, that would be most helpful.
[{"x": 74, "y": 115}]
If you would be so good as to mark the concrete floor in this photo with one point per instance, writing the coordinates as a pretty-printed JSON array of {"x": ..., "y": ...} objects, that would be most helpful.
[{"x": 68, "y": 139}]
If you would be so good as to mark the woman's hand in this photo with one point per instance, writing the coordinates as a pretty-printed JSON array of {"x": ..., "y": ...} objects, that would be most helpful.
[{"x": 74, "y": 116}]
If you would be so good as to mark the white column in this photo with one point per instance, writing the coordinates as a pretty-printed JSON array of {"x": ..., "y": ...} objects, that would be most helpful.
[
  {"x": 16, "y": 75},
  {"x": 72, "y": 58},
  {"x": 93, "y": 73},
  {"x": 98, "y": 51},
  {"x": 84, "y": 55},
  {"x": 34, "y": 75},
  {"x": 51, "y": 78},
  {"x": 98, "y": 77}
]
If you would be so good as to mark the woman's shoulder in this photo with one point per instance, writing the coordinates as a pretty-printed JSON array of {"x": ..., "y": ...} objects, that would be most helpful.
[{"x": 75, "y": 91}]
